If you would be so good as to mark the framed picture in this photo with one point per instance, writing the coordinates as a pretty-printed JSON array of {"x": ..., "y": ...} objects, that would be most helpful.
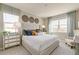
[
  {"x": 31, "y": 19},
  {"x": 25, "y": 18},
  {"x": 36, "y": 20}
]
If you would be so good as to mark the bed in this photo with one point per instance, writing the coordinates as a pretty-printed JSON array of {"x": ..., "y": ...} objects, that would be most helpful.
[{"x": 40, "y": 45}]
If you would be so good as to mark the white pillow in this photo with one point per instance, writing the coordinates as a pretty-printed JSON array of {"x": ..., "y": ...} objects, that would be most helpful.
[{"x": 41, "y": 33}]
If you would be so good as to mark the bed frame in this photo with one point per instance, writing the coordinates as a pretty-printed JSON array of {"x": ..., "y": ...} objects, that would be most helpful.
[{"x": 46, "y": 51}]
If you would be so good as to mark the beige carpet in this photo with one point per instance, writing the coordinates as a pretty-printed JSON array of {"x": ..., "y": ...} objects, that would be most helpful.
[{"x": 63, "y": 49}]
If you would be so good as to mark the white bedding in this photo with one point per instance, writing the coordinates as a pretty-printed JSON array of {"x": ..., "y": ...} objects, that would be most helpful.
[{"x": 38, "y": 44}]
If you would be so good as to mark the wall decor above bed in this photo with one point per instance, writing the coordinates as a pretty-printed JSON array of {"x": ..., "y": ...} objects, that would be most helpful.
[
  {"x": 25, "y": 18},
  {"x": 36, "y": 20},
  {"x": 31, "y": 19}
]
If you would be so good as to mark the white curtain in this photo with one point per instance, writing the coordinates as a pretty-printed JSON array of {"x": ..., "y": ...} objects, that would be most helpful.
[
  {"x": 55, "y": 20},
  {"x": 71, "y": 16}
]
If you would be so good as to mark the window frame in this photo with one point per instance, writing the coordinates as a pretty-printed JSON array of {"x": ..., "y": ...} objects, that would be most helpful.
[{"x": 59, "y": 26}]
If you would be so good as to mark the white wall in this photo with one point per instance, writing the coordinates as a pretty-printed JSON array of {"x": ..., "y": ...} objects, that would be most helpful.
[{"x": 28, "y": 25}]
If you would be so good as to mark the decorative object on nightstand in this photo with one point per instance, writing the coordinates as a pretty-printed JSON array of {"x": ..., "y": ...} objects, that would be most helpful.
[{"x": 43, "y": 28}]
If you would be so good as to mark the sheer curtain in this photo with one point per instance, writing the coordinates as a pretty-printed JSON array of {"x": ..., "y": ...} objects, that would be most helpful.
[
  {"x": 71, "y": 22},
  {"x": 58, "y": 23},
  {"x": 10, "y": 22},
  {"x": 9, "y": 10},
  {"x": 10, "y": 17},
  {"x": 71, "y": 16}
]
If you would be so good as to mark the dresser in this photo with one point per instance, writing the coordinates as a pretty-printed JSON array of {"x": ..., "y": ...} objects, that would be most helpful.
[{"x": 11, "y": 40}]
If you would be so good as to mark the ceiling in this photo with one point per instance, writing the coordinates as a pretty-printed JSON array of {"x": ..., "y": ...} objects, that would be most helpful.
[{"x": 45, "y": 9}]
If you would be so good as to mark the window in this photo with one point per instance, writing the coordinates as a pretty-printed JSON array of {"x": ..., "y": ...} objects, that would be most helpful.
[
  {"x": 63, "y": 25},
  {"x": 53, "y": 26},
  {"x": 58, "y": 25},
  {"x": 10, "y": 22}
]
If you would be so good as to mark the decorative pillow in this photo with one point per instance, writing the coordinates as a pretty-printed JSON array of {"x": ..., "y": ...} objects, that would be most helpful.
[
  {"x": 27, "y": 32},
  {"x": 34, "y": 33}
]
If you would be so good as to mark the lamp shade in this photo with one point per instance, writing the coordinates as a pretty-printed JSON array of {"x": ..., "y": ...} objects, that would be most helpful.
[{"x": 43, "y": 26}]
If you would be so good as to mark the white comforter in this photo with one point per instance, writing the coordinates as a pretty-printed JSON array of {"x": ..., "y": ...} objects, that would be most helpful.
[{"x": 40, "y": 43}]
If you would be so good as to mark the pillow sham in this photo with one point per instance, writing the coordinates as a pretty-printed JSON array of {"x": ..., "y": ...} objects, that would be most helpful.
[
  {"x": 27, "y": 32},
  {"x": 34, "y": 33},
  {"x": 41, "y": 33}
]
